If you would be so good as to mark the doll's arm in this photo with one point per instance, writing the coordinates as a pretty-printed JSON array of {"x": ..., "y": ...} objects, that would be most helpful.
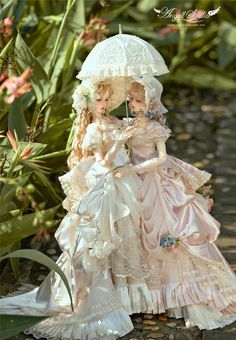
[
  {"x": 147, "y": 165},
  {"x": 107, "y": 159},
  {"x": 152, "y": 163}
]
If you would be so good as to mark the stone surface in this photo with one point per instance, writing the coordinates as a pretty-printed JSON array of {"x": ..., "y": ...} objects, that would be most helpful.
[
  {"x": 149, "y": 322},
  {"x": 155, "y": 335},
  {"x": 171, "y": 324},
  {"x": 151, "y": 328},
  {"x": 226, "y": 333}
]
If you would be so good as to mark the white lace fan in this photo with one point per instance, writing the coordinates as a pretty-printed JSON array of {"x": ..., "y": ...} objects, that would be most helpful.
[{"x": 123, "y": 55}]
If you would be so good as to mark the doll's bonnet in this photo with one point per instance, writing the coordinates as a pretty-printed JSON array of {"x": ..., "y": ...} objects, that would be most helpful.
[{"x": 153, "y": 90}]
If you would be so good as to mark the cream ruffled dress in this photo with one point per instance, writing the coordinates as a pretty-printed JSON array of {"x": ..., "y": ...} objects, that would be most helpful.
[{"x": 103, "y": 218}]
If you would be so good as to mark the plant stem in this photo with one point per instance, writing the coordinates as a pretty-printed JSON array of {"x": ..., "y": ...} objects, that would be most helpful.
[{"x": 70, "y": 4}]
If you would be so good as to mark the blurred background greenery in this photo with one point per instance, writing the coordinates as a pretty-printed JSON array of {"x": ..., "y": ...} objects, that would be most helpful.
[{"x": 43, "y": 44}]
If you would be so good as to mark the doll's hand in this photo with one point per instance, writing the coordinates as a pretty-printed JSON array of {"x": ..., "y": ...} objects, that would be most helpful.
[
  {"x": 120, "y": 172},
  {"x": 128, "y": 132},
  {"x": 210, "y": 204}
]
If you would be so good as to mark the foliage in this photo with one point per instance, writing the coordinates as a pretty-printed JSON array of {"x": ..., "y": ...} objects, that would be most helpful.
[
  {"x": 39, "y": 257},
  {"x": 12, "y": 325}
]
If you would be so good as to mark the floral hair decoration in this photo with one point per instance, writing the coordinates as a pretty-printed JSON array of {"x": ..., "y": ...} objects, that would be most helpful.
[{"x": 82, "y": 96}]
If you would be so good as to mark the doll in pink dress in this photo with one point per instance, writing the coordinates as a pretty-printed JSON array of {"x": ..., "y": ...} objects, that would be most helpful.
[{"x": 188, "y": 276}]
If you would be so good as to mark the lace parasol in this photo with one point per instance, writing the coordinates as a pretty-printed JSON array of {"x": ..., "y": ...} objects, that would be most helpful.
[{"x": 122, "y": 55}]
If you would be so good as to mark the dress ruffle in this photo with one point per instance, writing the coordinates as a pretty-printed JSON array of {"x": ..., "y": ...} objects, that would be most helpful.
[{"x": 64, "y": 327}]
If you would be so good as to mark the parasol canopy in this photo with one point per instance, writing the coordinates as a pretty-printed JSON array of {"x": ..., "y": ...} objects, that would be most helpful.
[{"x": 122, "y": 55}]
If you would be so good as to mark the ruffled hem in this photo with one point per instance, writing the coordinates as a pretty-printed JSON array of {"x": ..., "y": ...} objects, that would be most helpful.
[
  {"x": 181, "y": 295},
  {"x": 216, "y": 291},
  {"x": 135, "y": 298},
  {"x": 202, "y": 317},
  {"x": 195, "y": 177},
  {"x": 66, "y": 327},
  {"x": 103, "y": 72}
]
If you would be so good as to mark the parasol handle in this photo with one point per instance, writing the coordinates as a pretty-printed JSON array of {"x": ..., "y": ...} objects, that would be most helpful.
[{"x": 120, "y": 29}]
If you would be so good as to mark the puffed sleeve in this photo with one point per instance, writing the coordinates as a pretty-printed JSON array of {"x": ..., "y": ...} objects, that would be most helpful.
[
  {"x": 93, "y": 137},
  {"x": 158, "y": 132}
]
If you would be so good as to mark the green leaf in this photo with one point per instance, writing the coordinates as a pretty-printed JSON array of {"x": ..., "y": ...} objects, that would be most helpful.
[
  {"x": 5, "y": 9},
  {"x": 60, "y": 64},
  {"x": 147, "y": 5},
  {"x": 71, "y": 56},
  {"x": 6, "y": 48},
  {"x": 70, "y": 4},
  {"x": 15, "y": 261},
  {"x": 79, "y": 14},
  {"x": 45, "y": 181},
  {"x": 227, "y": 45},
  {"x": 16, "y": 118},
  {"x": 114, "y": 13},
  {"x": 6, "y": 198},
  {"x": 12, "y": 325},
  {"x": 41, "y": 258},
  {"x": 17, "y": 228},
  {"x": 54, "y": 133},
  {"x": 53, "y": 154},
  {"x": 25, "y": 58},
  {"x": 202, "y": 77}
]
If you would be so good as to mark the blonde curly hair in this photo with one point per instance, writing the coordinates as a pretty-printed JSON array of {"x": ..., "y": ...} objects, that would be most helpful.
[{"x": 85, "y": 117}]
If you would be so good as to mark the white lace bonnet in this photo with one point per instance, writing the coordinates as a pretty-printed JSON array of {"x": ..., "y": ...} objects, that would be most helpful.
[
  {"x": 84, "y": 93},
  {"x": 153, "y": 90}
]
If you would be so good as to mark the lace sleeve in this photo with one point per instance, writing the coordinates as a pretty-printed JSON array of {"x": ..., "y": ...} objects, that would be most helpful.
[
  {"x": 159, "y": 132},
  {"x": 93, "y": 137},
  {"x": 74, "y": 185}
]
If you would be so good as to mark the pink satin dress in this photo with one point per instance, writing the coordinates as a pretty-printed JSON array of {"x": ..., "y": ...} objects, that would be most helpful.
[{"x": 192, "y": 280}]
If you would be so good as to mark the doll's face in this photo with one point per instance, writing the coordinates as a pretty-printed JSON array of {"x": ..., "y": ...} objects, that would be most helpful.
[
  {"x": 137, "y": 99},
  {"x": 100, "y": 104}
]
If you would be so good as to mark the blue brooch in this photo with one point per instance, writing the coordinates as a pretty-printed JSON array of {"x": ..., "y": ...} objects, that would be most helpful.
[{"x": 168, "y": 241}]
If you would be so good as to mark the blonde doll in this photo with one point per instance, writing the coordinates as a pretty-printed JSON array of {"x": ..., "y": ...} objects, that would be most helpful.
[{"x": 100, "y": 229}]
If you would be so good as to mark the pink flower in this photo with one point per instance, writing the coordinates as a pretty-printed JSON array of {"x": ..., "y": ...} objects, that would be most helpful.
[
  {"x": 7, "y": 22},
  {"x": 16, "y": 86},
  {"x": 95, "y": 31},
  {"x": 6, "y": 27},
  {"x": 167, "y": 30}
]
